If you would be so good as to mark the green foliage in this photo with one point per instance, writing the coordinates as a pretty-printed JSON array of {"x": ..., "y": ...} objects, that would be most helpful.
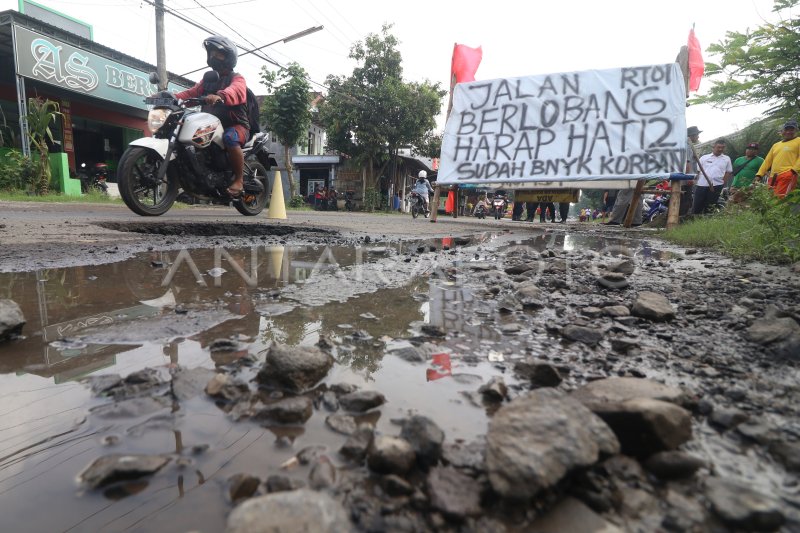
[
  {"x": 373, "y": 112},
  {"x": 782, "y": 217},
  {"x": 41, "y": 113},
  {"x": 764, "y": 132},
  {"x": 430, "y": 145},
  {"x": 769, "y": 230},
  {"x": 16, "y": 170},
  {"x": 8, "y": 135},
  {"x": 297, "y": 201},
  {"x": 758, "y": 66},
  {"x": 287, "y": 109},
  {"x": 372, "y": 199}
]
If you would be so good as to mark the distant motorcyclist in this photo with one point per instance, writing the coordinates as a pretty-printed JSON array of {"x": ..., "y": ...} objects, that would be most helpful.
[
  {"x": 423, "y": 188},
  {"x": 484, "y": 204},
  {"x": 227, "y": 100}
]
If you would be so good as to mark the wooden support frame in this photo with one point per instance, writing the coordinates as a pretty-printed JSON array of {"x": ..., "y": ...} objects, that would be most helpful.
[
  {"x": 637, "y": 197},
  {"x": 435, "y": 204},
  {"x": 674, "y": 209}
]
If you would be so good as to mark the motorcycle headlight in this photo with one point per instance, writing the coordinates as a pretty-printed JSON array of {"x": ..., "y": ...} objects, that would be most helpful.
[{"x": 156, "y": 118}]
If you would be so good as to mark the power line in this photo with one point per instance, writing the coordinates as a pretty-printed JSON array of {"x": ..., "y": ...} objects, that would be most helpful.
[{"x": 207, "y": 30}]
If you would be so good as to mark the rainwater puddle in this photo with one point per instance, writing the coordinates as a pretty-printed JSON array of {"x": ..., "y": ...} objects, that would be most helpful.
[
  {"x": 641, "y": 249},
  {"x": 169, "y": 310}
]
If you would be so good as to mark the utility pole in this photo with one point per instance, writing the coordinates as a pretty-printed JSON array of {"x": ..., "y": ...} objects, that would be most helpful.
[{"x": 161, "y": 51}]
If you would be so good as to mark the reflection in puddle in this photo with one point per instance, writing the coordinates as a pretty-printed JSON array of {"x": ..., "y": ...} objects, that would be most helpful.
[
  {"x": 603, "y": 245},
  {"x": 204, "y": 309}
]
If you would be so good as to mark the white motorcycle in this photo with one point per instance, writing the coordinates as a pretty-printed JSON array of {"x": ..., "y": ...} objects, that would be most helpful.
[{"x": 186, "y": 152}]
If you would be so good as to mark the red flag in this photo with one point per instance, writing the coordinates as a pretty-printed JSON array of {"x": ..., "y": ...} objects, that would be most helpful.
[
  {"x": 465, "y": 62},
  {"x": 696, "y": 65}
]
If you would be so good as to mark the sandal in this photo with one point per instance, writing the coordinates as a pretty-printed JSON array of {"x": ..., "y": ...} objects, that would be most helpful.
[{"x": 235, "y": 192}]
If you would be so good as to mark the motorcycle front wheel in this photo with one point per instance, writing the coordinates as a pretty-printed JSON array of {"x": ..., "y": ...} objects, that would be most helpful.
[
  {"x": 252, "y": 204},
  {"x": 414, "y": 211},
  {"x": 139, "y": 186}
]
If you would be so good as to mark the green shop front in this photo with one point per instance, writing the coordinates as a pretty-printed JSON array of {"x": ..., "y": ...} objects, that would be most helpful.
[{"x": 100, "y": 93}]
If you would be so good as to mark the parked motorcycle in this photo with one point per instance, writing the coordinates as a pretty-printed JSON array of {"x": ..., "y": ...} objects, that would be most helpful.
[
  {"x": 94, "y": 179},
  {"x": 655, "y": 207},
  {"x": 418, "y": 205},
  {"x": 186, "y": 152}
]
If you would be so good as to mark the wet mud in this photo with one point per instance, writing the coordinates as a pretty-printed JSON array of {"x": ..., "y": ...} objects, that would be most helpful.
[{"x": 118, "y": 360}]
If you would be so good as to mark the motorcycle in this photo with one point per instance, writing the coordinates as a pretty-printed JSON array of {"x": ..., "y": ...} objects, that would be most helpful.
[
  {"x": 480, "y": 212},
  {"x": 94, "y": 179},
  {"x": 499, "y": 205},
  {"x": 418, "y": 205},
  {"x": 186, "y": 152},
  {"x": 655, "y": 207}
]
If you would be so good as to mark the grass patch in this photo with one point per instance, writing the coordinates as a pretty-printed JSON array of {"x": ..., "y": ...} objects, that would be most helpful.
[
  {"x": 739, "y": 234},
  {"x": 92, "y": 197}
]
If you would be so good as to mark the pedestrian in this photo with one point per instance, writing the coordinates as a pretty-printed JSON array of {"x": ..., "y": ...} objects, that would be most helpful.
[
  {"x": 620, "y": 211},
  {"x": 746, "y": 167},
  {"x": 547, "y": 207},
  {"x": 783, "y": 161},
  {"x": 715, "y": 167},
  {"x": 530, "y": 211},
  {"x": 516, "y": 211},
  {"x": 687, "y": 187},
  {"x": 609, "y": 197},
  {"x": 563, "y": 210}
]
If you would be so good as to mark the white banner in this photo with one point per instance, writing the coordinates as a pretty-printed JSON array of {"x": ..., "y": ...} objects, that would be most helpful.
[{"x": 625, "y": 123}]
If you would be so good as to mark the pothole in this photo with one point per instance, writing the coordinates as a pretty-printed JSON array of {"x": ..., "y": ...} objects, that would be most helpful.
[{"x": 208, "y": 229}]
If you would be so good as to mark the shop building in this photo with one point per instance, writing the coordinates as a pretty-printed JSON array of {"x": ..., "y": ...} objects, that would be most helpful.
[{"x": 100, "y": 90}]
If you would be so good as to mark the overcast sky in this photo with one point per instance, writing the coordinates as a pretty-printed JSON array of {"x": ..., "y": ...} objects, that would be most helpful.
[{"x": 517, "y": 37}]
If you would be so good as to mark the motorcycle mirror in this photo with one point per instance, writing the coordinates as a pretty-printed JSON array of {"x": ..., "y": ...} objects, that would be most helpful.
[
  {"x": 154, "y": 78},
  {"x": 212, "y": 76}
]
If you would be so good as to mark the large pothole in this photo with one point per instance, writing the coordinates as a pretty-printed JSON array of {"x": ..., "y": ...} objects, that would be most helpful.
[{"x": 208, "y": 229}]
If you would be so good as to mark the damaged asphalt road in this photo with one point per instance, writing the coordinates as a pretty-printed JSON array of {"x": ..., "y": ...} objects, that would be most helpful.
[{"x": 398, "y": 375}]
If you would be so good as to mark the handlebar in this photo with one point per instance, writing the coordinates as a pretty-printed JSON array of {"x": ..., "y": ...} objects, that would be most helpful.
[{"x": 162, "y": 100}]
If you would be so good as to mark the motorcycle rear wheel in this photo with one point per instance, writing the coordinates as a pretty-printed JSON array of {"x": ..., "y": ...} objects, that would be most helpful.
[
  {"x": 139, "y": 186},
  {"x": 252, "y": 204}
]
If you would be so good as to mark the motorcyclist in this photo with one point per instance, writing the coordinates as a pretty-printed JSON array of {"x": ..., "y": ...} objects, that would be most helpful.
[
  {"x": 227, "y": 100},
  {"x": 423, "y": 187},
  {"x": 482, "y": 203}
]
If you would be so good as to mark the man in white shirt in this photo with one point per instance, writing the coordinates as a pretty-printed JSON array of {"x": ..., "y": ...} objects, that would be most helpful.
[{"x": 718, "y": 168}]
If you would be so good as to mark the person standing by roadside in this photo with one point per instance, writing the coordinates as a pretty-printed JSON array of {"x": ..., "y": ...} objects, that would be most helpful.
[
  {"x": 563, "y": 210},
  {"x": 687, "y": 187},
  {"x": 609, "y": 197},
  {"x": 783, "y": 161},
  {"x": 548, "y": 211},
  {"x": 717, "y": 167},
  {"x": 746, "y": 167}
]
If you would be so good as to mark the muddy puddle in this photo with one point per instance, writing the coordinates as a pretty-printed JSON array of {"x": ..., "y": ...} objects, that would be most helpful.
[
  {"x": 416, "y": 322},
  {"x": 203, "y": 309}
]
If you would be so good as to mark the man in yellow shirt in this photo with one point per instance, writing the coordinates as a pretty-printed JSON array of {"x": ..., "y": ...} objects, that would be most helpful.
[{"x": 783, "y": 161}]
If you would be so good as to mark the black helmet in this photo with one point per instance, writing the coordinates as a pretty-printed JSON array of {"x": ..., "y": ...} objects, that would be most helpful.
[{"x": 218, "y": 43}]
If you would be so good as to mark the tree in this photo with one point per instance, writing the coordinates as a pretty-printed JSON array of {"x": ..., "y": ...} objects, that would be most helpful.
[
  {"x": 373, "y": 112},
  {"x": 759, "y": 66},
  {"x": 41, "y": 113},
  {"x": 287, "y": 109}
]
